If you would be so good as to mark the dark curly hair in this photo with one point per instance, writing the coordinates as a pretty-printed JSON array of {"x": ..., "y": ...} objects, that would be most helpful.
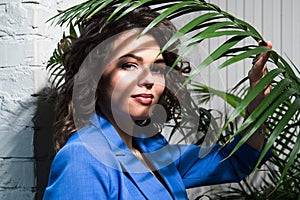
[{"x": 94, "y": 31}]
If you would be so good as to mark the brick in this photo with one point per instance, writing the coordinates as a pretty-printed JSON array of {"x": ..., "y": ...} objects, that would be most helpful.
[
  {"x": 12, "y": 53},
  {"x": 16, "y": 19},
  {"x": 42, "y": 14},
  {"x": 10, "y": 1},
  {"x": 16, "y": 82},
  {"x": 17, "y": 173},
  {"x": 16, "y": 194},
  {"x": 16, "y": 140},
  {"x": 16, "y": 52}
]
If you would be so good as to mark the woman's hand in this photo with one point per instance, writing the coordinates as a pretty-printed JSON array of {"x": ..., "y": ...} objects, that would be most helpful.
[{"x": 256, "y": 73}]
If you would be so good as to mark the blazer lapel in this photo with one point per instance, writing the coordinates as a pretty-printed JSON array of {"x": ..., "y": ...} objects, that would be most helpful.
[
  {"x": 140, "y": 178},
  {"x": 157, "y": 150}
]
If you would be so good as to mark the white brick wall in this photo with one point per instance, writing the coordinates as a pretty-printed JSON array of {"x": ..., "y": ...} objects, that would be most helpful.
[{"x": 26, "y": 42}]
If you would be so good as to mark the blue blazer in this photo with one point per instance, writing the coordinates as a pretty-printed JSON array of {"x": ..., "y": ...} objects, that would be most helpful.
[{"x": 96, "y": 164}]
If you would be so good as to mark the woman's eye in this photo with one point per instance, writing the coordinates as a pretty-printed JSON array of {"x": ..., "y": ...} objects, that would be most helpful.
[{"x": 129, "y": 66}]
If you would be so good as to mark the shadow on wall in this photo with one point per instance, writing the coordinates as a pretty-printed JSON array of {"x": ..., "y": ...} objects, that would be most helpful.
[
  {"x": 17, "y": 179},
  {"x": 43, "y": 145}
]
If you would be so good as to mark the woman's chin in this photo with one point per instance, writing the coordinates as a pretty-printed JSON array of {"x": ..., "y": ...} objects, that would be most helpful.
[
  {"x": 140, "y": 115},
  {"x": 140, "y": 118}
]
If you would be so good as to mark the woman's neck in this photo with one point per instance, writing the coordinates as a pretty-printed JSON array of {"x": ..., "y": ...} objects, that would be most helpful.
[{"x": 127, "y": 139}]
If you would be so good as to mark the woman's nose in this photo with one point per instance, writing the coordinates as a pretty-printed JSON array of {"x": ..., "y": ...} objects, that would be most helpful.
[{"x": 146, "y": 78}]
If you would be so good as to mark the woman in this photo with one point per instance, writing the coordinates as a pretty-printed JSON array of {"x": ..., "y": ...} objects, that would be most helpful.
[{"x": 109, "y": 118}]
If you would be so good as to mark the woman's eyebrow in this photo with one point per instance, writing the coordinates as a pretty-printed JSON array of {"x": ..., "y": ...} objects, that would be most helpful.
[{"x": 140, "y": 59}]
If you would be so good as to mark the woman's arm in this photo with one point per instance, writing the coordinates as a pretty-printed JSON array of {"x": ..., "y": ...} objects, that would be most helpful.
[
  {"x": 256, "y": 73},
  {"x": 200, "y": 167}
]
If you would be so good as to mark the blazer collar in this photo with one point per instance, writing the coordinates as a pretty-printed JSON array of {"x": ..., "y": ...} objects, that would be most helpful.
[{"x": 156, "y": 148}]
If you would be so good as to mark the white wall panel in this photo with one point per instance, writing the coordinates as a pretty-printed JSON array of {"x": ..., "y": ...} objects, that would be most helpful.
[
  {"x": 276, "y": 20},
  {"x": 296, "y": 32}
]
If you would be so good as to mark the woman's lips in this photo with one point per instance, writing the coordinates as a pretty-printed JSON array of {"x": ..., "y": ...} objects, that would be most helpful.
[{"x": 145, "y": 99}]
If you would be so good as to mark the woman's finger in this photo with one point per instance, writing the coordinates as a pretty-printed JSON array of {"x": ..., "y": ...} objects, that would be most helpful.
[{"x": 259, "y": 68}]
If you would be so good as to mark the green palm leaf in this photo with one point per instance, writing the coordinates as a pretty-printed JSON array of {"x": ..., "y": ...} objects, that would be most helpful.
[
  {"x": 253, "y": 93},
  {"x": 120, "y": 7},
  {"x": 188, "y": 27},
  {"x": 293, "y": 155},
  {"x": 165, "y": 14},
  {"x": 233, "y": 100},
  {"x": 218, "y": 53},
  {"x": 259, "y": 116},
  {"x": 244, "y": 55}
]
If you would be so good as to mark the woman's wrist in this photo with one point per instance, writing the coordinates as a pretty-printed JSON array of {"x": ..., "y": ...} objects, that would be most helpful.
[{"x": 262, "y": 129}]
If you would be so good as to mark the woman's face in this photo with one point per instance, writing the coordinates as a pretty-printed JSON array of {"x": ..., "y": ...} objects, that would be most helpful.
[{"x": 133, "y": 79}]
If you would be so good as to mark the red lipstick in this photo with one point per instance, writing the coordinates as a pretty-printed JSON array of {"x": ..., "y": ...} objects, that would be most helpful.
[{"x": 145, "y": 99}]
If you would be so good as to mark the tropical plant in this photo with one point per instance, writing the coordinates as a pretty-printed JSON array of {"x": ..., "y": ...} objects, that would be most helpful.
[
  {"x": 282, "y": 105},
  {"x": 273, "y": 185}
]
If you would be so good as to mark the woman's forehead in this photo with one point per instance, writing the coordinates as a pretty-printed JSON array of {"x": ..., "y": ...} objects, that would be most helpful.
[
  {"x": 132, "y": 40},
  {"x": 132, "y": 43}
]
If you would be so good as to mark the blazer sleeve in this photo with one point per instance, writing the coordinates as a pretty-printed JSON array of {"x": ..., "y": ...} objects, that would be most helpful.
[
  {"x": 75, "y": 174},
  {"x": 215, "y": 167}
]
